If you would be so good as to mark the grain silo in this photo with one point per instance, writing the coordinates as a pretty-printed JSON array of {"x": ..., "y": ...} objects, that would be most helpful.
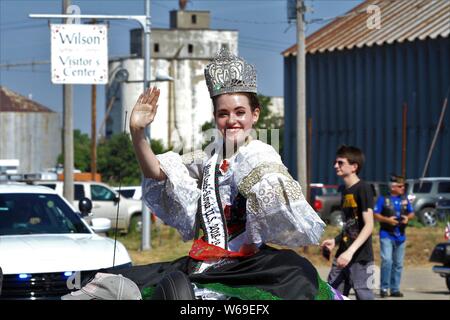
[{"x": 29, "y": 132}]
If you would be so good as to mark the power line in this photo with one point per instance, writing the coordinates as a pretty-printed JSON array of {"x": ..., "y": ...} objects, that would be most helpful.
[
  {"x": 22, "y": 27},
  {"x": 260, "y": 48},
  {"x": 250, "y": 21},
  {"x": 263, "y": 46},
  {"x": 24, "y": 64},
  {"x": 34, "y": 71},
  {"x": 352, "y": 13},
  {"x": 265, "y": 40}
]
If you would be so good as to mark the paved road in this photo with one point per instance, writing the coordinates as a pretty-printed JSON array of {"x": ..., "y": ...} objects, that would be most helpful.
[{"x": 418, "y": 283}]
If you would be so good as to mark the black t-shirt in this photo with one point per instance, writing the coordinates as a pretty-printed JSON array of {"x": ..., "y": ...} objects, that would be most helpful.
[{"x": 355, "y": 200}]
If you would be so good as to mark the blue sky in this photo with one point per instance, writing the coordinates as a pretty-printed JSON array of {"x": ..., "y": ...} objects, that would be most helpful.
[{"x": 264, "y": 32}]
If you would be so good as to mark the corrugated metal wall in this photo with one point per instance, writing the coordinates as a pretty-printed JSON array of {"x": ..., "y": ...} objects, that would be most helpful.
[
  {"x": 356, "y": 97},
  {"x": 32, "y": 137}
]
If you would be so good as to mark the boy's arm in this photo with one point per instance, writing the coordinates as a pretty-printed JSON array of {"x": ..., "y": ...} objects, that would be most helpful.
[{"x": 365, "y": 233}]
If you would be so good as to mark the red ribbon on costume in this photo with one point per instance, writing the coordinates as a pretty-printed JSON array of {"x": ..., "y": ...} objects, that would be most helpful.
[{"x": 202, "y": 250}]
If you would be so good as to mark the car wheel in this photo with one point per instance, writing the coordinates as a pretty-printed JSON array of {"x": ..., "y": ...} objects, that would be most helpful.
[
  {"x": 428, "y": 216},
  {"x": 136, "y": 223},
  {"x": 447, "y": 280},
  {"x": 337, "y": 218}
]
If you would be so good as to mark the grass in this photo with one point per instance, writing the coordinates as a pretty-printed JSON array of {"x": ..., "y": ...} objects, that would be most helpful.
[{"x": 167, "y": 245}]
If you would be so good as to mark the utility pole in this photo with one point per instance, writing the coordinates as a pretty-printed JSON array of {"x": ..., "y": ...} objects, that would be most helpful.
[
  {"x": 93, "y": 132},
  {"x": 146, "y": 221},
  {"x": 309, "y": 164},
  {"x": 93, "y": 127},
  {"x": 68, "y": 130},
  {"x": 301, "y": 101}
]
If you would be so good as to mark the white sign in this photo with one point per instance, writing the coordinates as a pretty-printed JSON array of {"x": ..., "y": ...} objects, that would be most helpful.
[{"x": 79, "y": 53}]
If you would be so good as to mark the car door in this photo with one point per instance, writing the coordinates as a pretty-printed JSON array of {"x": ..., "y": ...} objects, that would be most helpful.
[{"x": 104, "y": 204}]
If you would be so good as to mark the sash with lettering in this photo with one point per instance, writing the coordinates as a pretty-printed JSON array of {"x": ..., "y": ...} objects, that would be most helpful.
[
  {"x": 212, "y": 218},
  {"x": 213, "y": 246}
]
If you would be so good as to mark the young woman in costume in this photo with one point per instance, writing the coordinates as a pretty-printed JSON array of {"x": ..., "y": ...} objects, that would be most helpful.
[{"x": 233, "y": 199}]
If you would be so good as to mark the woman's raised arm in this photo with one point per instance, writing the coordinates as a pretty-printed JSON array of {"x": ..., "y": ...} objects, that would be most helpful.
[{"x": 143, "y": 114}]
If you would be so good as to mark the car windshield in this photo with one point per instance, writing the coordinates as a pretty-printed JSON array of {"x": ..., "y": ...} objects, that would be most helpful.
[{"x": 34, "y": 213}]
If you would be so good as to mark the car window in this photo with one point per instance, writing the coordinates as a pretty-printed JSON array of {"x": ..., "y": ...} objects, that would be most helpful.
[
  {"x": 425, "y": 188},
  {"x": 100, "y": 193},
  {"x": 444, "y": 187},
  {"x": 127, "y": 193},
  {"x": 34, "y": 213},
  {"x": 78, "y": 192},
  {"x": 331, "y": 191},
  {"x": 316, "y": 191}
]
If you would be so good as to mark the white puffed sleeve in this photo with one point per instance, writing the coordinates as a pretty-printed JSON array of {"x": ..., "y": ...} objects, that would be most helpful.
[
  {"x": 277, "y": 211},
  {"x": 175, "y": 199}
]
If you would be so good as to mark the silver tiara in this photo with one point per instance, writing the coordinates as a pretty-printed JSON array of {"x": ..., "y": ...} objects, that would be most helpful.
[{"x": 228, "y": 73}]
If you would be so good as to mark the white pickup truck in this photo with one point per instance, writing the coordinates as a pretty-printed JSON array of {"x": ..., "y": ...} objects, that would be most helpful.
[{"x": 105, "y": 203}]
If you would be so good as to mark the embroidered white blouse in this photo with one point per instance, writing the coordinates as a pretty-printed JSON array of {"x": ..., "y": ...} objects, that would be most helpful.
[{"x": 276, "y": 209}]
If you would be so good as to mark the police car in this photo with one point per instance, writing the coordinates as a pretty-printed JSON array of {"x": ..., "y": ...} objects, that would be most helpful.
[{"x": 46, "y": 247}]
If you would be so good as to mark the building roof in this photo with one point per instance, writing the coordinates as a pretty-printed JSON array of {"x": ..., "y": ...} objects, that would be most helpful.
[
  {"x": 11, "y": 101},
  {"x": 401, "y": 21}
]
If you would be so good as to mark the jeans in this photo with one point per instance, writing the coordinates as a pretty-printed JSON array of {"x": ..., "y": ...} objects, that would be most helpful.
[
  {"x": 392, "y": 254},
  {"x": 356, "y": 275}
]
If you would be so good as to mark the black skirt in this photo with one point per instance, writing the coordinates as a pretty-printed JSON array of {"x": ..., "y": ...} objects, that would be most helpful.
[{"x": 269, "y": 274}]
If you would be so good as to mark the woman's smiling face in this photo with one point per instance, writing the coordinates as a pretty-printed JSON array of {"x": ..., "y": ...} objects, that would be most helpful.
[{"x": 234, "y": 116}]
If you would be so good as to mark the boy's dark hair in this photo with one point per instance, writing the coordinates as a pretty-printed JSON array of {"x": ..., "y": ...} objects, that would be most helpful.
[{"x": 352, "y": 154}]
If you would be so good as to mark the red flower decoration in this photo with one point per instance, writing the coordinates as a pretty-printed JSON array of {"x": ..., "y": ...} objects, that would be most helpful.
[{"x": 224, "y": 166}]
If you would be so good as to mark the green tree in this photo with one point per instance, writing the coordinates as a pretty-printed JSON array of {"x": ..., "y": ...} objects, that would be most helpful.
[
  {"x": 82, "y": 151},
  {"x": 116, "y": 160},
  {"x": 270, "y": 121}
]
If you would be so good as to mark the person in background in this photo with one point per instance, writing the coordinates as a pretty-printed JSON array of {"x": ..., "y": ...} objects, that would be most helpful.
[{"x": 393, "y": 212}]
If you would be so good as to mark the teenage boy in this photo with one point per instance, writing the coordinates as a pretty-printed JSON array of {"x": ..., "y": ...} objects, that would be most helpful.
[{"x": 353, "y": 263}]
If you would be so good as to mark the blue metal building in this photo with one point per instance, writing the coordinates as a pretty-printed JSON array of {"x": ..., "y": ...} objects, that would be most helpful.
[{"x": 357, "y": 81}]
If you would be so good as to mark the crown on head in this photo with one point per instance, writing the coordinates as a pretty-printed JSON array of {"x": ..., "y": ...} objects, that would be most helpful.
[{"x": 228, "y": 73}]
